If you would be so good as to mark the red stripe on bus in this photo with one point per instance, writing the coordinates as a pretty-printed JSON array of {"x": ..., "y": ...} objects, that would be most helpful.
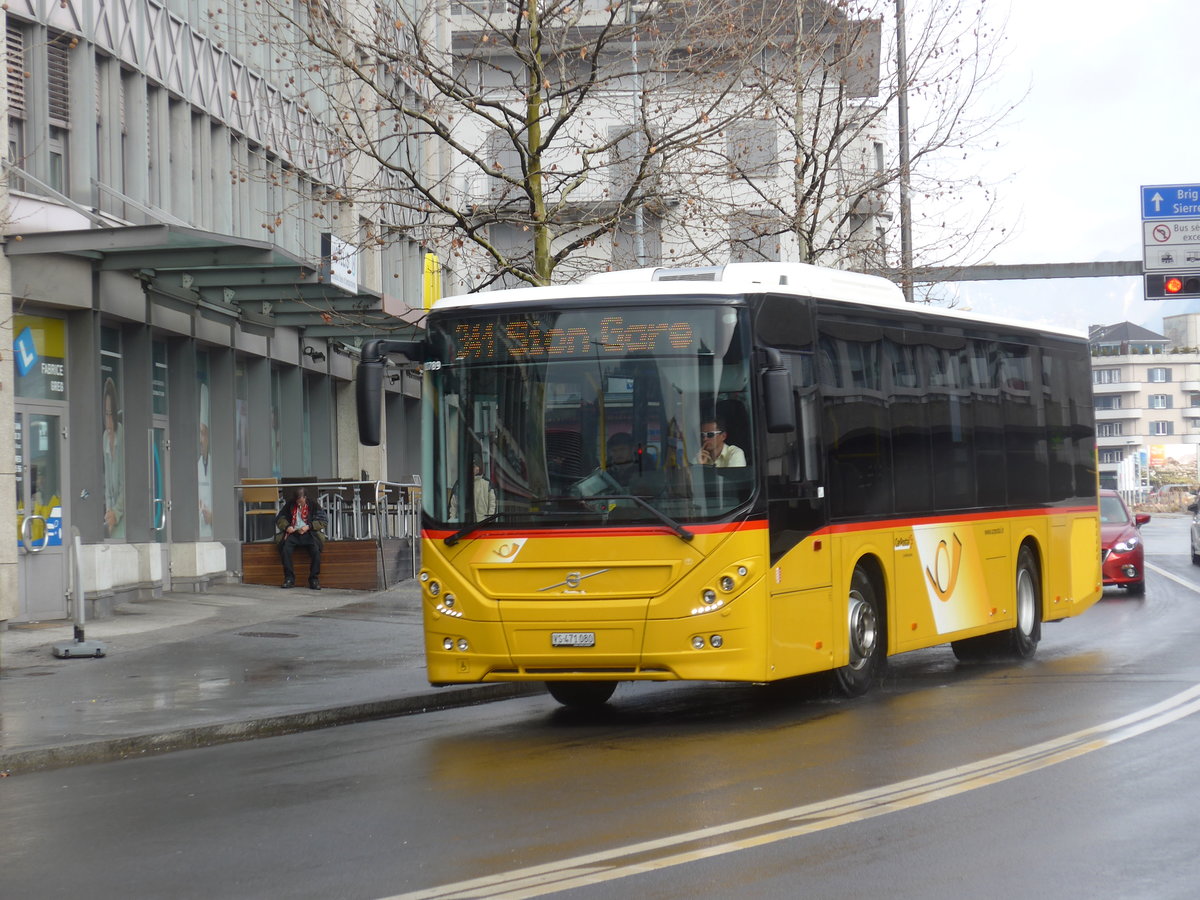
[
  {"x": 630, "y": 531},
  {"x": 761, "y": 524},
  {"x": 955, "y": 518}
]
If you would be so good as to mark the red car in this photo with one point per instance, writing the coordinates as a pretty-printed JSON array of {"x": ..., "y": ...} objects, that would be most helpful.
[{"x": 1121, "y": 544}]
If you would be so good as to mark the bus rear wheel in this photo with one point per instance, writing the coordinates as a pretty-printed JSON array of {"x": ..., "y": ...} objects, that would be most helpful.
[
  {"x": 868, "y": 647},
  {"x": 581, "y": 694},
  {"x": 1020, "y": 641}
]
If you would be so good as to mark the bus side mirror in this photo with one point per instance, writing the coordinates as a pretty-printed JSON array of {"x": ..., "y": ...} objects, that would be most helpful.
[
  {"x": 368, "y": 388},
  {"x": 368, "y": 384},
  {"x": 777, "y": 395}
]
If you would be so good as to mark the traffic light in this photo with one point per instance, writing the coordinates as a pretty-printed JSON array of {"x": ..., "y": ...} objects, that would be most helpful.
[{"x": 1183, "y": 284}]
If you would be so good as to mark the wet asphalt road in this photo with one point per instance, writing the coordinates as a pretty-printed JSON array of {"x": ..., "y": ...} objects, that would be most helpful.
[{"x": 1071, "y": 775}]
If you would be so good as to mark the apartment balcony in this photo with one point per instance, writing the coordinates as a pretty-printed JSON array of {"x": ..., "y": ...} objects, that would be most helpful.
[
  {"x": 1120, "y": 440},
  {"x": 1113, "y": 415},
  {"x": 595, "y": 197},
  {"x": 477, "y": 16},
  {"x": 1189, "y": 386},
  {"x": 1119, "y": 387}
]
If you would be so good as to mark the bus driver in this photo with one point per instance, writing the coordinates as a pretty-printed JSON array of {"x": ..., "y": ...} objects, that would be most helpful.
[{"x": 713, "y": 449}]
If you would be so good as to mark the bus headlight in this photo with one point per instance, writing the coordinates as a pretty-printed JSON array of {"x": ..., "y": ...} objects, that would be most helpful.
[
  {"x": 448, "y": 643},
  {"x": 711, "y": 602},
  {"x": 463, "y": 646},
  {"x": 717, "y": 641},
  {"x": 434, "y": 588},
  {"x": 727, "y": 583},
  {"x": 698, "y": 642}
]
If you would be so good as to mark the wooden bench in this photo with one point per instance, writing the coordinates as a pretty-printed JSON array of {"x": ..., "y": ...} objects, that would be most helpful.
[{"x": 345, "y": 565}]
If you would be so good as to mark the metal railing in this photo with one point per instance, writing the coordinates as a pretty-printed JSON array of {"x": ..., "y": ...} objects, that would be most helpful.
[{"x": 354, "y": 510}]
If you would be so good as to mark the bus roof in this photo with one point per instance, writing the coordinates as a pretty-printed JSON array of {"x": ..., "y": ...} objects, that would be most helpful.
[{"x": 732, "y": 279}]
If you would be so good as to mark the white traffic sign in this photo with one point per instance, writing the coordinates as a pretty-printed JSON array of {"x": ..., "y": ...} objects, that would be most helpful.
[{"x": 1172, "y": 245}]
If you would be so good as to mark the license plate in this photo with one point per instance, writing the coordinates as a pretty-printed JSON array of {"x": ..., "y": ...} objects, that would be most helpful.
[{"x": 572, "y": 639}]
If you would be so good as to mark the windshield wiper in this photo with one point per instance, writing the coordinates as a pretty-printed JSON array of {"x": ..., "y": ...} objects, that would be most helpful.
[
  {"x": 451, "y": 540},
  {"x": 653, "y": 510},
  {"x": 663, "y": 517}
]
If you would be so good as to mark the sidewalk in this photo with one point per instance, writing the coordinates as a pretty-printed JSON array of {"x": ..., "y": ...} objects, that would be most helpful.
[{"x": 237, "y": 662}]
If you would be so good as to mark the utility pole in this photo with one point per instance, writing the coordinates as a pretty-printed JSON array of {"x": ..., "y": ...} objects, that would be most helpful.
[{"x": 906, "y": 261}]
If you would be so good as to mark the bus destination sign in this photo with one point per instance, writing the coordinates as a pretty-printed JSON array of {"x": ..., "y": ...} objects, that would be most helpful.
[{"x": 490, "y": 339}]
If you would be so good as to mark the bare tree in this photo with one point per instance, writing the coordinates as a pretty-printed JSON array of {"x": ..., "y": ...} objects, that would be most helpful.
[
  {"x": 526, "y": 141},
  {"x": 814, "y": 175},
  {"x": 539, "y": 132}
]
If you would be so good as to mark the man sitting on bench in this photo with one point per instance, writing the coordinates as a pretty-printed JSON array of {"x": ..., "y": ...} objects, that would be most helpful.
[{"x": 301, "y": 524}]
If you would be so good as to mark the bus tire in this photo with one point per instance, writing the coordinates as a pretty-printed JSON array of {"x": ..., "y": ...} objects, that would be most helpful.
[
  {"x": 868, "y": 645},
  {"x": 581, "y": 694},
  {"x": 1020, "y": 641}
]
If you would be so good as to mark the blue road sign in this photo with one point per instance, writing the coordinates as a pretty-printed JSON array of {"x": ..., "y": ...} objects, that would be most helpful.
[{"x": 1171, "y": 201}]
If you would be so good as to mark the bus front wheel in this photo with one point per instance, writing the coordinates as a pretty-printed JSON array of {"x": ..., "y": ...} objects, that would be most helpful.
[
  {"x": 868, "y": 649},
  {"x": 581, "y": 694}
]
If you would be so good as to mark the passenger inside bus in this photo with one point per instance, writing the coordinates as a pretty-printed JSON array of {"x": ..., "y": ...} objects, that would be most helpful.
[{"x": 622, "y": 460}]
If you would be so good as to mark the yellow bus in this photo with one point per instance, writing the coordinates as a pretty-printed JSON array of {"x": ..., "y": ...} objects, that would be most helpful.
[{"x": 742, "y": 473}]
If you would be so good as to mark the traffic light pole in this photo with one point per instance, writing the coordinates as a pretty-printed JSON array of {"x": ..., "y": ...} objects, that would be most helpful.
[{"x": 990, "y": 272}]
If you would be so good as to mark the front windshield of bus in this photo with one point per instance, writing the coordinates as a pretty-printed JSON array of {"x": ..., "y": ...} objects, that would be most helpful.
[{"x": 633, "y": 413}]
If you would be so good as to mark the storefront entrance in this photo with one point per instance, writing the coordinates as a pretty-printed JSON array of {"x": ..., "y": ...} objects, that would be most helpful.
[{"x": 42, "y": 527}]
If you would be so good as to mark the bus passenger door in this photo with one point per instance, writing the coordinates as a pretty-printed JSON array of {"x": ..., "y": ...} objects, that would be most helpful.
[{"x": 799, "y": 583}]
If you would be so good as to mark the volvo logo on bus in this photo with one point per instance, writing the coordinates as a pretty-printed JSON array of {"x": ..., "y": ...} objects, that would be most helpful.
[{"x": 572, "y": 580}]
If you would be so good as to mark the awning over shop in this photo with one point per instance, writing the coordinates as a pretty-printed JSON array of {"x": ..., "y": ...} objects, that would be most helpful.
[{"x": 253, "y": 282}]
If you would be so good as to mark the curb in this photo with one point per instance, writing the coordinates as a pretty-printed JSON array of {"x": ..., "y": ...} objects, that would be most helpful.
[{"x": 24, "y": 762}]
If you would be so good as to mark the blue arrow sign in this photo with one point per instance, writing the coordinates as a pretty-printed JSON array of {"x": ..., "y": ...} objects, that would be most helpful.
[{"x": 1171, "y": 201}]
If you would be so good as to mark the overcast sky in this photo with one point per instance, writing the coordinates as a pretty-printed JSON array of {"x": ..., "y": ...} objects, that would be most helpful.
[{"x": 1113, "y": 102}]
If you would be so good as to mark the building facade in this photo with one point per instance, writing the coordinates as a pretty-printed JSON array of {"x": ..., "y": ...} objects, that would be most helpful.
[
  {"x": 781, "y": 152},
  {"x": 184, "y": 293},
  {"x": 1147, "y": 399}
]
